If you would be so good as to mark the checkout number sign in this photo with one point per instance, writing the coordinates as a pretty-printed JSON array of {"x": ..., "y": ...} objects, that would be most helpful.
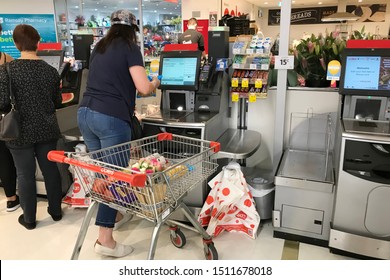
[{"x": 284, "y": 62}]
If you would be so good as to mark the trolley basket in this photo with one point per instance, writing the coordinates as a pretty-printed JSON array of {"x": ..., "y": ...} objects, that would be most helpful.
[{"x": 107, "y": 177}]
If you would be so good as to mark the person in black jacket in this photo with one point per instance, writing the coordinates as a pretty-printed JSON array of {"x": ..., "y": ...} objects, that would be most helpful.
[
  {"x": 36, "y": 86},
  {"x": 192, "y": 36}
]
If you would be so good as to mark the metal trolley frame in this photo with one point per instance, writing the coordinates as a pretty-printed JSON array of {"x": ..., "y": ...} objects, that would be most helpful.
[{"x": 107, "y": 178}]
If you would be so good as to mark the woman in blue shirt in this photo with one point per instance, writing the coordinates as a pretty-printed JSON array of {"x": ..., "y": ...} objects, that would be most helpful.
[{"x": 116, "y": 73}]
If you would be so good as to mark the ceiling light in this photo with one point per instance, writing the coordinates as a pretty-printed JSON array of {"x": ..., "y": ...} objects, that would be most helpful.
[
  {"x": 319, "y": 3},
  {"x": 265, "y": 3}
]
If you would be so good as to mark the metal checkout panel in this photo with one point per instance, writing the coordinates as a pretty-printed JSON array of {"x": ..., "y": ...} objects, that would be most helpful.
[{"x": 361, "y": 224}]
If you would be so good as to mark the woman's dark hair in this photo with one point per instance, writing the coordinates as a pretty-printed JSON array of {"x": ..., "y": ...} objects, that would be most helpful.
[
  {"x": 26, "y": 37},
  {"x": 122, "y": 31},
  {"x": 1, "y": 28}
]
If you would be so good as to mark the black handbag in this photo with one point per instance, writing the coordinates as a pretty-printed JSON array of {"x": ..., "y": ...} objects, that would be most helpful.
[
  {"x": 10, "y": 122},
  {"x": 136, "y": 128}
]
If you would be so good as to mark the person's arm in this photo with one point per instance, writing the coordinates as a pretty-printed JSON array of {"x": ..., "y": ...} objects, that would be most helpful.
[
  {"x": 141, "y": 81},
  {"x": 201, "y": 45}
]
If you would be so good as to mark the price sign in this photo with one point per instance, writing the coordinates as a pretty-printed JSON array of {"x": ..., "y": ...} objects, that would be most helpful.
[
  {"x": 236, "y": 51},
  {"x": 245, "y": 82},
  {"x": 252, "y": 66},
  {"x": 252, "y": 97},
  {"x": 235, "y": 97},
  {"x": 264, "y": 67},
  {"x": 250, "y": 51},
  {"x": 259, "y": 51},
  {"x": 236, "y": 65},
  {"x": 235, "y": 82},
  {"x": 284, "y": 62},
  {"x": 258, "y": 83}
]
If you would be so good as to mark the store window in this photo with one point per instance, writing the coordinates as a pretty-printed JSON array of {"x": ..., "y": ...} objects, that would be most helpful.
[{"x": 161, "y": 21}]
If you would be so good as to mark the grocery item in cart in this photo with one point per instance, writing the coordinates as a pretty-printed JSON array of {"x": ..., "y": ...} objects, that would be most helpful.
[
  {"x": 177, "y": 171},
  {"x": 151, "y": 197},
  {"x": 122, "y": 192},
  {"x": 150, "y": 164},
  {"x": 113, "y": 190}
]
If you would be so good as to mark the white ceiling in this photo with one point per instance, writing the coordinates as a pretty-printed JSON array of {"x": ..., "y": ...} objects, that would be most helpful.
[
  {"x": 108, "y": 6},
  {"x": 161, "y": 7},
  {"x": 313, "y": 3}
]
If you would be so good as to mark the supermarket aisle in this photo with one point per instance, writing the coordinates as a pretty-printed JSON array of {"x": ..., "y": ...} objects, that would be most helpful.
[{"x": 55, "y": 240}]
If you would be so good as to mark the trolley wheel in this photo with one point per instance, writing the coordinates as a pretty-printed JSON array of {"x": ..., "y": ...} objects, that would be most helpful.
[
  {"x": 178, "y": 238},
  {"x": 210, "y": 252}
]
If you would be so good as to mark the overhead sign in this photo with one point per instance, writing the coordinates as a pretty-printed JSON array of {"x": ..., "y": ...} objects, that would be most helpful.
[
  {"x": 43, "y": 23},
  {"x": 367, "y": 13},
  {"x": 213, "y": 19}
]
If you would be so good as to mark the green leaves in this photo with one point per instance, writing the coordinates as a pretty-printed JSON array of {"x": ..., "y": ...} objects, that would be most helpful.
[{"x": 315, "y": 52}]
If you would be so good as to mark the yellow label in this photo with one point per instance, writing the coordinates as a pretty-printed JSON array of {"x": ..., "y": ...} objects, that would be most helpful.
[
  {"x": 235, "y": 97},
  {"x": 334, "y": 67},
  {"x": 258, "y": 83},
  {"x": 245, "y": 82},
  {"x": 252, "y": 97},
  {"x": 154, "y": 66},
  {"x": 234, "y": 82}
]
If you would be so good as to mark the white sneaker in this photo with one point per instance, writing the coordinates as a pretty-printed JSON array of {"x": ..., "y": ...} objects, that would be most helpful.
[
  {"x": 126, "y": 217},
  {"x": 119, "y": 251}
]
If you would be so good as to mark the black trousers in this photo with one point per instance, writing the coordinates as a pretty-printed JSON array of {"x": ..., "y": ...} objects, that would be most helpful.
[
  {"x": 7, "y": 171},
  {"x": 25, "y": 162}
]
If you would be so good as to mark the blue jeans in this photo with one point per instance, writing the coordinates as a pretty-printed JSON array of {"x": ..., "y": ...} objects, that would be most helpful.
[
  {"x": 25, "y": 163},
  {"x": 101, "y": 131}
]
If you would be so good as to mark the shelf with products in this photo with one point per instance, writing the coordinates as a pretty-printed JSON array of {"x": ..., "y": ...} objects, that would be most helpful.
[{"x": 251, "y": 63}]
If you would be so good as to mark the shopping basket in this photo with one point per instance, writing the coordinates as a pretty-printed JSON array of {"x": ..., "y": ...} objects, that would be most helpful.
[{"x": 107, "y": 177}]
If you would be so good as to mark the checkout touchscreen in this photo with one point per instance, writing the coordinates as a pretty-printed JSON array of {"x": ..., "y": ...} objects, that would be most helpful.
[
  {"x": 179, "y": 70},
  {"x": 365, "y": 72}
]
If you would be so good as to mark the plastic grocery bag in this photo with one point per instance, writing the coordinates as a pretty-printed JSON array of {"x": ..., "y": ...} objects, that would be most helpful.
[{"x": 229, "y": 205}]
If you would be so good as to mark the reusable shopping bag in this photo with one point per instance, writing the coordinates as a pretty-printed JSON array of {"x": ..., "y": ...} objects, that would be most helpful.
[{"x": 229, "y": 205}]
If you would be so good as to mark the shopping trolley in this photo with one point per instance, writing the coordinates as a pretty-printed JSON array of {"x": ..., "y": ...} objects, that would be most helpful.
[{"x": 107, "y": 177}]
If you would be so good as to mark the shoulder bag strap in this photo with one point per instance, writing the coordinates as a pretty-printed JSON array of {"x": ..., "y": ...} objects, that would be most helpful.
[{"x": 11, "y": 94}]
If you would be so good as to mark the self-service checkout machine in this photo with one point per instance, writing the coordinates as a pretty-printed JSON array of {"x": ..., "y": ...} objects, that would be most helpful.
[
  {"x": 194, "y": 103},
  {"x": 360, "y": 224},
  {"x": 194, "y": 99}
]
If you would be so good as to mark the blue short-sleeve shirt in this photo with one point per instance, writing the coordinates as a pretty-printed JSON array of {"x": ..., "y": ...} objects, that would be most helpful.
[{"x": 110, "y": 87}]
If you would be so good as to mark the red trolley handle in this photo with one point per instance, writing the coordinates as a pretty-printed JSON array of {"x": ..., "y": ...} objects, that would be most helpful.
[
  {"x": 135, "y": 180},
  {"x": 216, "y": 146}
]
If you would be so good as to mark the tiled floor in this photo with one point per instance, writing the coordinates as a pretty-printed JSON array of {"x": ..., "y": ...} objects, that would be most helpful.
[{"x": 55, "y": 240}]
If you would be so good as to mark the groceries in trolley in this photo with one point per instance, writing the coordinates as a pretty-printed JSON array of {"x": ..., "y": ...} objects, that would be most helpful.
[{"x": 148, "y": 198}]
